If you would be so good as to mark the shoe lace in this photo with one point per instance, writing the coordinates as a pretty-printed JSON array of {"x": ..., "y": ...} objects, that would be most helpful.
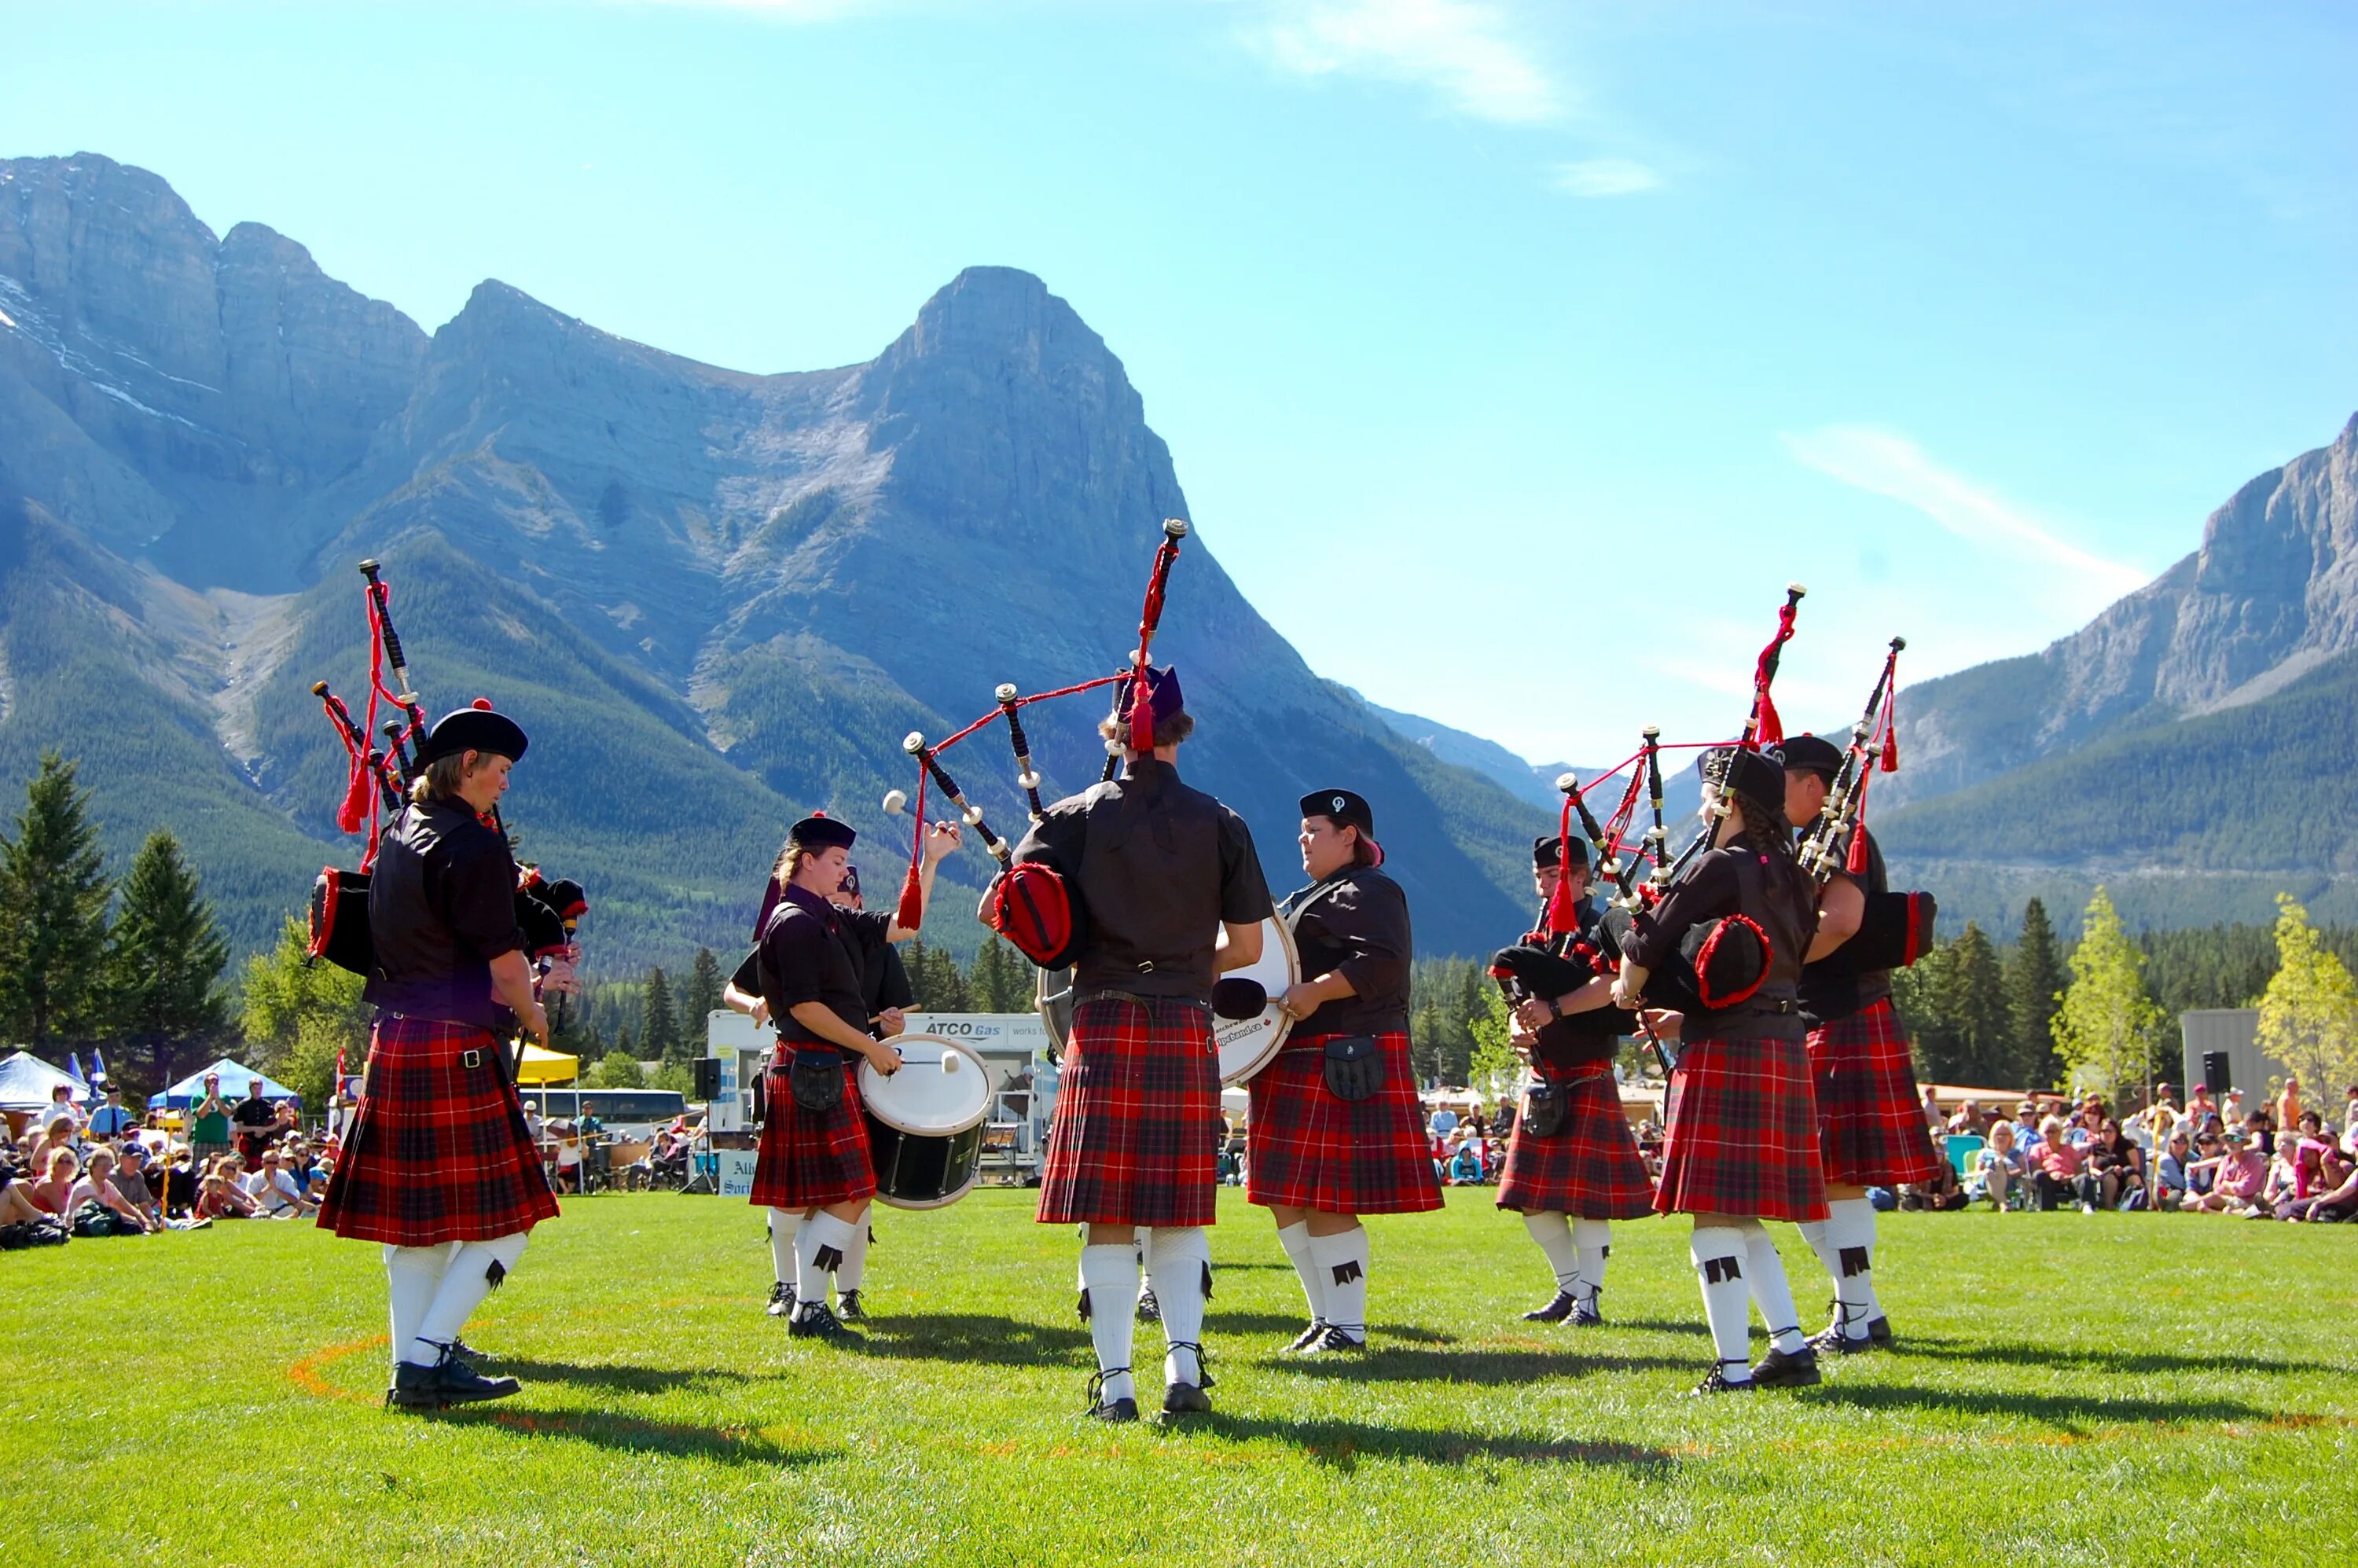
[
  {"x": 1203, "y": 1379},
  {"x": 1098, "y": 1383}
]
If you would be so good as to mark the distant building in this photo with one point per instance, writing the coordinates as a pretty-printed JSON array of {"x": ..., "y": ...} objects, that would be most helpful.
[{"x": 2235, "y": 1032}]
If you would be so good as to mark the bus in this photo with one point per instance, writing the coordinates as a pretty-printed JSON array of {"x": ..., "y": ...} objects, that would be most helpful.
[{"x": 632, "y": 1114}]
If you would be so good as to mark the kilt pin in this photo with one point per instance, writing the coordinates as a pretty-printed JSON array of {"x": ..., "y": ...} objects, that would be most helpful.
[
  {"x": 811, "y": 1157},
  {"x": 1871, "y": 1124},
  {"x": 1591, "y": 1169},
  {"x": 1307, "y": 1149},
  {"x": 1743, "y": 1133},
  {"x": 438, "y": 1150},
  {"x": 1138, "y": 1117}
]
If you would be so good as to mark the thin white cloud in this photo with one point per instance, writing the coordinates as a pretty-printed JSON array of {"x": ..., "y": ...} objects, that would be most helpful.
[
  {"x": 1467, "y": 53},
  {"x": 1605, "y": 177},
  {"x": 1889, "y": 465}
]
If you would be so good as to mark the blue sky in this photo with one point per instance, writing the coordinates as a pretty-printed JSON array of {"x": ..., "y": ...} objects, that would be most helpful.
[{"x": 1539, "y": 324}]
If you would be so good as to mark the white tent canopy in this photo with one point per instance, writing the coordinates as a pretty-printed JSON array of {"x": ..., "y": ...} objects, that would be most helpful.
[{"x": 25, "y": 1081}]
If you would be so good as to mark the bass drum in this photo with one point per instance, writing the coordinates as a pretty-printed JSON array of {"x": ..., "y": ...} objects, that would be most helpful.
[
  {"x": 924, "y": 1123},
  {"x": 1246, "y": 1045}
]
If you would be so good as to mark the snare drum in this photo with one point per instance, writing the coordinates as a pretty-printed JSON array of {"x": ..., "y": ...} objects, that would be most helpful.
[
  {"x": 1248, "y": 1044},
  {"x": 924, "y": 1123}
]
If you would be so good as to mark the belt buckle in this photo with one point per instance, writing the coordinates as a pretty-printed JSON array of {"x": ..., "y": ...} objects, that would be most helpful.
[
  {"x": 1146, "y": 966},
  {"x": 470, "y": 1058}
]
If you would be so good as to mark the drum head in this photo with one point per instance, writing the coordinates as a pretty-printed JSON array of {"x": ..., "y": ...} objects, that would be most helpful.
[
  {"x": 1247, "y": 1044},
  {"x": 942, "y": 1087}
]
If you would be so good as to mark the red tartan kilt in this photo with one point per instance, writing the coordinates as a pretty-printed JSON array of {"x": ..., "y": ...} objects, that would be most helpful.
[
  {"x": 1138, "y": 1120},
  {"x": 1591, "y": 1169},
  {"x": 437, "y": 1150},
  {"x": 1743, "y": 1134},
  {"x": 1305, "y": 1149},
  {"x": 810, "y": 1158},
  {"x": 1871, "y": 1123}
]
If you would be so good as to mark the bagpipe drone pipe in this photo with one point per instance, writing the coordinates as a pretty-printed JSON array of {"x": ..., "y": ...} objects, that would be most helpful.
[
  {"x": 548, "y": 913},
  {"x": 1895, "y": 928}
]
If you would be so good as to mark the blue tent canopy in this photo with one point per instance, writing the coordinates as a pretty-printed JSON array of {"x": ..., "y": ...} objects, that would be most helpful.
[
  {"x": 235, "y": 1076},
  {"x": 25, "y": 1081}
]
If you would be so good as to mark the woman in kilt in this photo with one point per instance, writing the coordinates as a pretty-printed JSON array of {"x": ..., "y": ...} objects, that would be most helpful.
[
  {"x": 438, "y": 1165},
  {"x": 1872, "y": 1128},
  {"x": 1174, "y": 896},
  {"x": 1336, "y": 1130},
  {"x": 1742, "y": 1145},
  {"x": 1573, "y": 1165},
  {"x": 813, "y": 1172}
]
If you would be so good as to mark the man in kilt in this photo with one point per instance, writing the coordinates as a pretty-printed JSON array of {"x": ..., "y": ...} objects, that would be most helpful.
[
  {"x": 1872, "y": 1127},
  {"x": 1173, "y": 895},
  {"x": 813, "y": 1172},
  {"x": 1336, "y": 1128},
  {"x": 1573, "y": 1165},
  {"x": 1742, "y": 1142},
  {"x": 438, "y": 1165}
]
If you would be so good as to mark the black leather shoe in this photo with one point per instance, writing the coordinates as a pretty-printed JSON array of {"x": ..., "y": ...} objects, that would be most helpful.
[
  {"x": 1336, "y": 1341},
  {"x": 466, "y": 1352},
  {"x": 448, "y": 1383},
  {"x": 1106, "y": 1410},
  {"x": 814, "y": 1320},
  {"x": 847, "y": 1307},
  {"x": 1555, "y": 1311},
  {"x": 782, "y": 1300},
  {"x": 1878, "y": 1330},
  {"x": 1307, "y": 1337},
  {"x": 1148, "y": 1309},
  {"x": 1719, "y": 1382},
  {"x": 1587, "y": 1313},
  {"x": 1185, "y": 1399},
  {"x": 1779, "y": 1370}
]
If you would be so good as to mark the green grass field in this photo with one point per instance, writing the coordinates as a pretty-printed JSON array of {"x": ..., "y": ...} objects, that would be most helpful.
[{"x": 2140, "y": 1388}]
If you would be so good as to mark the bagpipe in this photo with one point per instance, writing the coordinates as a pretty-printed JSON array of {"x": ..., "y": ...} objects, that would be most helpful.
[
  {"x": 1895, "y": 928},
  {"x": 377, "y": 782}
]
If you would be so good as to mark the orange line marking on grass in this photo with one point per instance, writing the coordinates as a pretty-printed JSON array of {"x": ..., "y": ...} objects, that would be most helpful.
[{"x": 305, "y": 1373}]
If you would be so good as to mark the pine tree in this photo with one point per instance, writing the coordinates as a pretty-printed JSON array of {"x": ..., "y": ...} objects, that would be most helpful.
[
  {"x": 53, "y": 898},
  {"x": 2308, "y": 1015},
  {"x": 2034, "y": 989},
  {"x": 165, "y": 960},
  {"x": 704, "y": 983},
  {"x": 1976, "y": 1009},
  {"x": 659, "y": 1035},
  {"x": 2107, "y": 1025},
  {"x": 998, "y": 983}
]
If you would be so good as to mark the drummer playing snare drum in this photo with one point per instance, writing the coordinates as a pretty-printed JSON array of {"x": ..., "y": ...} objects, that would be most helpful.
[{"x": 1160, "y": 868}]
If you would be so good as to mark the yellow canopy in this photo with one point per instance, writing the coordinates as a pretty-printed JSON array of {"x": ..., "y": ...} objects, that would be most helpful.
[{"x": 540, "y": 1066}]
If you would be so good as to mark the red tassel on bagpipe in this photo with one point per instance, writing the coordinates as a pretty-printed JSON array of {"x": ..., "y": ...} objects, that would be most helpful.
[
  {"x": 911, "y": 914},
  {"x": 1560, "y": 916},
  {"x": 1766, "y": 729},
  {"x": 1892, "y": 720},
  {"x": 360, "y": 795},
  {"x": 1856, "y": 861}
]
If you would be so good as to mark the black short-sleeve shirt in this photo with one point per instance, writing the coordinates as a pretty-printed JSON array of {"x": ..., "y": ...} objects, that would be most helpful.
[
  {"x": 441, "y": 907},
  {"x": 1159, "y": 867},
  {"x": 810, "y": 953},
  {"x": 1355, "y": 923}
]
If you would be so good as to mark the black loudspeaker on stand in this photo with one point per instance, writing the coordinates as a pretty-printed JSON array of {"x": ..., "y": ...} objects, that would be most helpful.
[
  {"x": 2215, "y": 1074},
  {"x": 707, "y": 1078}
]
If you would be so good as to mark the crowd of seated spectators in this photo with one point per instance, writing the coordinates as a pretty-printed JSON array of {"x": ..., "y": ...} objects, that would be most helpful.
[
  {"x": 2278, "y": 1161},
  {"x": 111, "y": 1171}
]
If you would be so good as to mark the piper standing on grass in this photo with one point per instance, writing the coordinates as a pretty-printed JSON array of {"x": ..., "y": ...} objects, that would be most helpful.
[
  {"x": 1742, "y": 1145},
  {"x": 813, "y": 1172},
  {"x": 1873, "y": 1133},
  {"x": 1336, "y": 1128},
  {"x": 1573, "y": 1165},
  {"x": 1174, "y": 897},
  {"x": 438, "y": 1165}
]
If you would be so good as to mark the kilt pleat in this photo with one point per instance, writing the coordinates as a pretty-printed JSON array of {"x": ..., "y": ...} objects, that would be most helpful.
[
  {"x": 1743, "y": 1133},
  {"x": 1135, "y": 1137},
  {"x": 1306, "y": 1149},
  {"x": 810, "y": 1158},
  {"x": 1591, "y": 1169},
  {"x": 438, "y": 1150},
  {"x": 1871, "y": 1124}
]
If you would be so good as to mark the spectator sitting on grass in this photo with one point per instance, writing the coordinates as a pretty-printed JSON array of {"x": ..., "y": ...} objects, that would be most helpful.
[
  {"x": 2055, "y": 1163},
  {"x": 2118, "y": 1165},
  {"x": 1967, "y": 1122},
  {"x": 131, "y": 1180},
  {"x": 1999, "y": 1165},
  {"x": 218, "y": 1196},
  {"x": 60, "y": 1169},
  {"x": 2295, "y": 1177},
  {"x": 2171, "y": 1184},
  {"x": 2238, "y": 1179},
  {"x": 2334, "y": 1193},
  {"x": 274, "y": 1191},
  {"x": 1942, "y": 1193},
  {"x": 2260, "y": 1132},
  {"x": 97, "y": 1185},
  {"x": 1465, "y": 1165}
]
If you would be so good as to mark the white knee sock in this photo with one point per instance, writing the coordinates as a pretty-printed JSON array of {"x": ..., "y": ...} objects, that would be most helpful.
[
  {"x": 1109, "y": 1275},
  {"x": 1145, "y": 1245},
  {"x": 1182, "y": 1258},
  {"x": 1295, "y": 1239},
  {"x": 1553, "y": 1233},
  {"x": 1594, "y": 1239},
  {"x": 854, "y": 1267},
  {"x": 785, "y": 1230},
  {"x": 819, "y": 1250},
  {"x": 1770, "y": 1293},
  {"x": 412, "y": 1275},
  {"x": 1718, "y": 1254},
  {"x": 1342, "y": 1260},
  {"x": 476, "y": 1270},
  {"x": 1852, "y": 1223}
]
